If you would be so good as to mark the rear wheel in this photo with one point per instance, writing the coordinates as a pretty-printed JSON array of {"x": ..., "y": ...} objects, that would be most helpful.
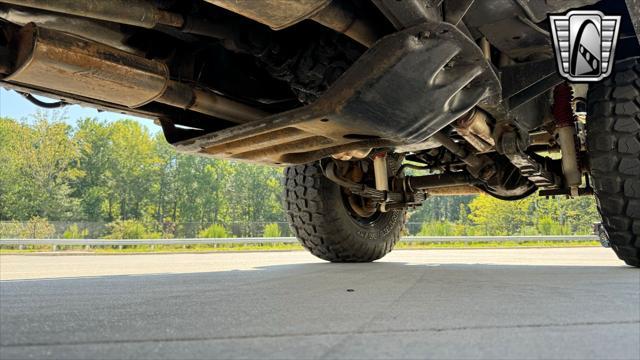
[
  {"x": 613, "y": 138},
  {"x": 331, "y": 224}
]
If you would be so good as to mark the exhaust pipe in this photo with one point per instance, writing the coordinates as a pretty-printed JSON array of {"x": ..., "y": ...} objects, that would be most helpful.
[
  {"x": 103, "y": 32},
  {"x": 276, "y": 14},
  {"x": 131, "y": 12},
  {"x": 140, "y": 13},
  {"x": 69, "y": 64}
]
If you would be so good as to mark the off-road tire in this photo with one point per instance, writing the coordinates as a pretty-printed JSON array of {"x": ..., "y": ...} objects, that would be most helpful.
[
  {"x": 613, "y": 140},
  {"x": 321, "y": 221}
]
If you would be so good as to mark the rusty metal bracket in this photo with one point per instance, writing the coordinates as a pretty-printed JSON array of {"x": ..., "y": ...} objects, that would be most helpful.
[
  {"x": 512, "y": 145},
  {"x": 403, "y": 90}
]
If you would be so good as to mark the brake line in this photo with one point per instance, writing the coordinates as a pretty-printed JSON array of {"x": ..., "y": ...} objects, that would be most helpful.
[{"x": 43, "y": 104}]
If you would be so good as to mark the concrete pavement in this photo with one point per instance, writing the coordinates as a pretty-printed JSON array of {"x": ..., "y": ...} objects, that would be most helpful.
[{"x": 518, "y": 303}]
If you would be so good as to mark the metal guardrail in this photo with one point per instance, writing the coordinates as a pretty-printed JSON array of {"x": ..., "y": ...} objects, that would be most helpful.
[
  {"x": 115, "y": 242},
  {"x": 510, "y": 238},
  {"x": 286, "y": 240}
]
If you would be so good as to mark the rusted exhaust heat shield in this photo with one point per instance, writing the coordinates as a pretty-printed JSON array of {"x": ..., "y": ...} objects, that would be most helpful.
[
  {"x": 53, "y": 60},
  {"x": 280, "y": 14}
]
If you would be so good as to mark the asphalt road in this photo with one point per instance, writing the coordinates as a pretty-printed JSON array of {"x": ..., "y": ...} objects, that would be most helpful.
[{"x": 457, "y": 304}]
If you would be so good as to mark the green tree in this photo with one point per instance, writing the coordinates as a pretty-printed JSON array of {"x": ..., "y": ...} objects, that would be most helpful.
[
  {"x": 10, "y": 134},
  {"x": 436, "y": 228},
  {"x": 135, "y": 162},
  {"x": 256, "y": 193},
  {"x": 39, "y": 169},
  {"x": 440, "y": 208},
  {"x": 96, "y": 161},
  {"x": 498, "y": 217}
]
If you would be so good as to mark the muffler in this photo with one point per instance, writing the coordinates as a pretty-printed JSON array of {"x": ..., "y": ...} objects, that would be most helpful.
[
  {"x": 50, "y": 59},
  {"x": 53, "y": 60}
]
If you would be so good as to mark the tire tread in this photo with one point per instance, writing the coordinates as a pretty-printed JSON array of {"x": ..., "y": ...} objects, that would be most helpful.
[
  {"x": 613, "y": 139},
  {"x": 316, "y": 225}
]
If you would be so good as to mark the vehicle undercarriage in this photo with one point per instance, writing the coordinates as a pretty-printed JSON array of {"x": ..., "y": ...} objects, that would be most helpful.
[{"x": 374, "y": 105}]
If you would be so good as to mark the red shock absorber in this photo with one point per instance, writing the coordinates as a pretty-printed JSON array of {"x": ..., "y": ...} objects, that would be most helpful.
[{"x": 562, "y": 110}]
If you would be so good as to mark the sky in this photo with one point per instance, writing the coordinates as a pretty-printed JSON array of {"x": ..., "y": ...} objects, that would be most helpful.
[{"x": 13, "y": 105}]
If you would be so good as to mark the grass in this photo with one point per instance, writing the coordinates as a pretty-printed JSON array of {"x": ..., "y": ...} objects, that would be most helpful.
[{"x": 291, "y": 247}]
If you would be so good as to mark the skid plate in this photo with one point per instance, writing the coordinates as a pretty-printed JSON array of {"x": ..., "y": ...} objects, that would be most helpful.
[{"x": 404, "y": 89}]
